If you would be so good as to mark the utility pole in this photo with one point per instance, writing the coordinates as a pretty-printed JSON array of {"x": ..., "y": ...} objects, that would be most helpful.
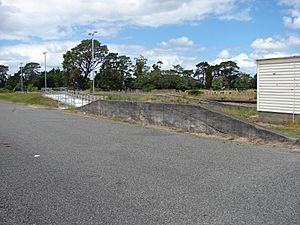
[
  {"x": 93, "y": 59},
  {"x": 45, "y": 62},
  {"x": 21, "y": 77}
]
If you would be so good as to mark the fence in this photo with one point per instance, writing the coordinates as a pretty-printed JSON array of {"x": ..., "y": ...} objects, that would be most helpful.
[{"x": 71, "y": 98}]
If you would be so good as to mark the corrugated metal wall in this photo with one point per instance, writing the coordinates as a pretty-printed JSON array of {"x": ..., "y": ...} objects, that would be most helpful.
[{"x": 279, "y": 85}]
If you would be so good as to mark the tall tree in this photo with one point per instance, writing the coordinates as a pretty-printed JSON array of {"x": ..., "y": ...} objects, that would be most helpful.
[
  {"x": 178, "y": 69},
  {"x": 229, "y": 71},
  {"x": 188, "y": 73},
  {"x": 3, "y": 75},
  {"x": 201, "y": 70},
  {"x": 31, "y": 74},
  {"x": 140, "y": 68},
  {"x": 140, "y": 72},
  {"x": 254, "y": 82},
  {"x": 114, "y": 72},
  {"x": 242, "y": 81},
  {"x": 55, "y": 78},
  {"x": 78, "y": 63},
  {"x": 209, "y": 76}
]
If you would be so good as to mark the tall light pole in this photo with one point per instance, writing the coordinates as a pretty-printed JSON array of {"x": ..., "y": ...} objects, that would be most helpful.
[
  {"x": 21, "y": 67},
  {"x": 45, "y": 62},
  {"x": 93, "y": 59}
]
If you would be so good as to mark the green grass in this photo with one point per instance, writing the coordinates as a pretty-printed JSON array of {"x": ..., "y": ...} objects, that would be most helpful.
[
  {"x": 35, "y": 99},
  {"x": 244, "y": 113},
  {"x": 291, "y": 131},
  {"x": 240, "y": 112}
]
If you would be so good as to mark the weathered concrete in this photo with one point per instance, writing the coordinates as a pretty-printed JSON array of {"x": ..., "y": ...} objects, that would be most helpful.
[{"x": 187, "y": 117}]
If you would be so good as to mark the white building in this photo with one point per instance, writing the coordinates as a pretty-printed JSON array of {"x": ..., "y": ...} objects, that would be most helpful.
[{"x": 278, "y": 85}]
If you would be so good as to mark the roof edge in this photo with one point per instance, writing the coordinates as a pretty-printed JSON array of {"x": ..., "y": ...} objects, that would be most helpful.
[{"x": 287, "y": 57}]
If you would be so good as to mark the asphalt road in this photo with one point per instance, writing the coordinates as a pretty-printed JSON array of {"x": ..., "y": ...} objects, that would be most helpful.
[{"x": 100, "y": 172}]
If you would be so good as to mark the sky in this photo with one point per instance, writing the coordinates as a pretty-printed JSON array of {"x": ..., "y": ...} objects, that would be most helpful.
[{"x": 183, "y": 32}]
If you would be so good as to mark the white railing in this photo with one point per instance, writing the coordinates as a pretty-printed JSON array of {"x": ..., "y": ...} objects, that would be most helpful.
[{"x": 71, "y": 98}]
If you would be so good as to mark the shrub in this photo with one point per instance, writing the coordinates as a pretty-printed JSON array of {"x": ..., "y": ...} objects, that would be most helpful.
[
  {"x": 148, "y": 87},
  {"x": 217, "y": 83},
  {"x": 195, "y": 92},
  {"x": 32, "y": 88}
]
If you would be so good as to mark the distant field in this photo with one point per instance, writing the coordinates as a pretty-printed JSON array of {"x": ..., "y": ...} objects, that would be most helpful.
[
  {"x": 28, "y": 99},
  {"x": 172, "y": 96}
]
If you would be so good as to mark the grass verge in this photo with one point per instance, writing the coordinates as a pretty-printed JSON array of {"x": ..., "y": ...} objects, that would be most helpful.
[
  {"x": 249, "y": 114},
  {"x": 35, "y": 99},
  {"x": 290, "y": 131}
]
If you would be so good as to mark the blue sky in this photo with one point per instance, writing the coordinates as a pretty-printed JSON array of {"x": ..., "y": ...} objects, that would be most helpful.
[{"x": 181, "y": 32}]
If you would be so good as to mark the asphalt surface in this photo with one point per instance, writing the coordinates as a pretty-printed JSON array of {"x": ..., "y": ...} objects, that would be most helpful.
[{"x": 100, "y": 172}]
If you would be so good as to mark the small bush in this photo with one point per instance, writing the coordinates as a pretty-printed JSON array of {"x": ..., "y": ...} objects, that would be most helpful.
[
  {"x": 195, "y": 92},
  {"x": 148, "y": 88},
  {"x": 32, "y": 88},
  {"x": 4, "y": 90}
]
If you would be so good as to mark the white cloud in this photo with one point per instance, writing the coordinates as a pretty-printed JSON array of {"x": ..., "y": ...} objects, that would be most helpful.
[
  {"x": 176, "y": 51},
  {"x": 181, "y": 41},
  {"x": 243, "y": 15},
  {"x": 244, "y": 61},
  {"x": 261, "y": 44},
  {"x": 53, "y": 19},
  {"x": 224, "y": 54},
  {"x": 171, "y": 52},
  {"x": 293, "y": 19},
  {"x": 15, "y": 54},
  {"x": 293, "y": 40},
  {"x": 291, "y": 22},
  {"x": 275, "y": 46}
]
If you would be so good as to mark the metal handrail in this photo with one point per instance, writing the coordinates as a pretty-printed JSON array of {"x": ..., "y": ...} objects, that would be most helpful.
[{"x": 71, "y": 98}]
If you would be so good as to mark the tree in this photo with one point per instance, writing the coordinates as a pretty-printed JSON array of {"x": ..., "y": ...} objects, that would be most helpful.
[
  {"x": 156, "y": 77},
  {"x": 3, "y": 75},
  {"x": 78, "y": 63},
  {"x": 242, "y": 82},
  {"x": 31, "y": 74},
  {"x": 253, "y": 82},
  {"x": 217, "y": 83},
  {"x": 178, "y": 69},
  {"x": 140, "y": 68},
  {"x": 13, "y": 82},
  {"x": 208, "y": 77},
  {"x": 114, "y": 72},
  {"x": 188, "y": 73},
  {"x": 140, "y": 72},
  {"x": 201, "y": 71},
  {"x": 229, "y": 71},
  {"x": 55, "y": 78}
]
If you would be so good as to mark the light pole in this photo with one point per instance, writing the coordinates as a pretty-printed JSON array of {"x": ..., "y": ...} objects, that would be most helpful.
[
  {"x": 21, "y": 76},
  {"x": 93, "y": 59},
  {"x": 45, "y": 62}
]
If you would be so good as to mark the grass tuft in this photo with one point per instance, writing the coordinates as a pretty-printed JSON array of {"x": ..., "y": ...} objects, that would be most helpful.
[{"x": 35, "y": 99}]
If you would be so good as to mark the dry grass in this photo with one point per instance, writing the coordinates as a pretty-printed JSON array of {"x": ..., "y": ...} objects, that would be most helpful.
[
  {"x": 178, "y": 97},
  {"x": 229, "y": 95},
  {"x": 287, "y": 130}
]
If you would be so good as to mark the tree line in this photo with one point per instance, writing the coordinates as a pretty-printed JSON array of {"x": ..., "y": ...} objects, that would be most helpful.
[{"x": 118, "y": 72}]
